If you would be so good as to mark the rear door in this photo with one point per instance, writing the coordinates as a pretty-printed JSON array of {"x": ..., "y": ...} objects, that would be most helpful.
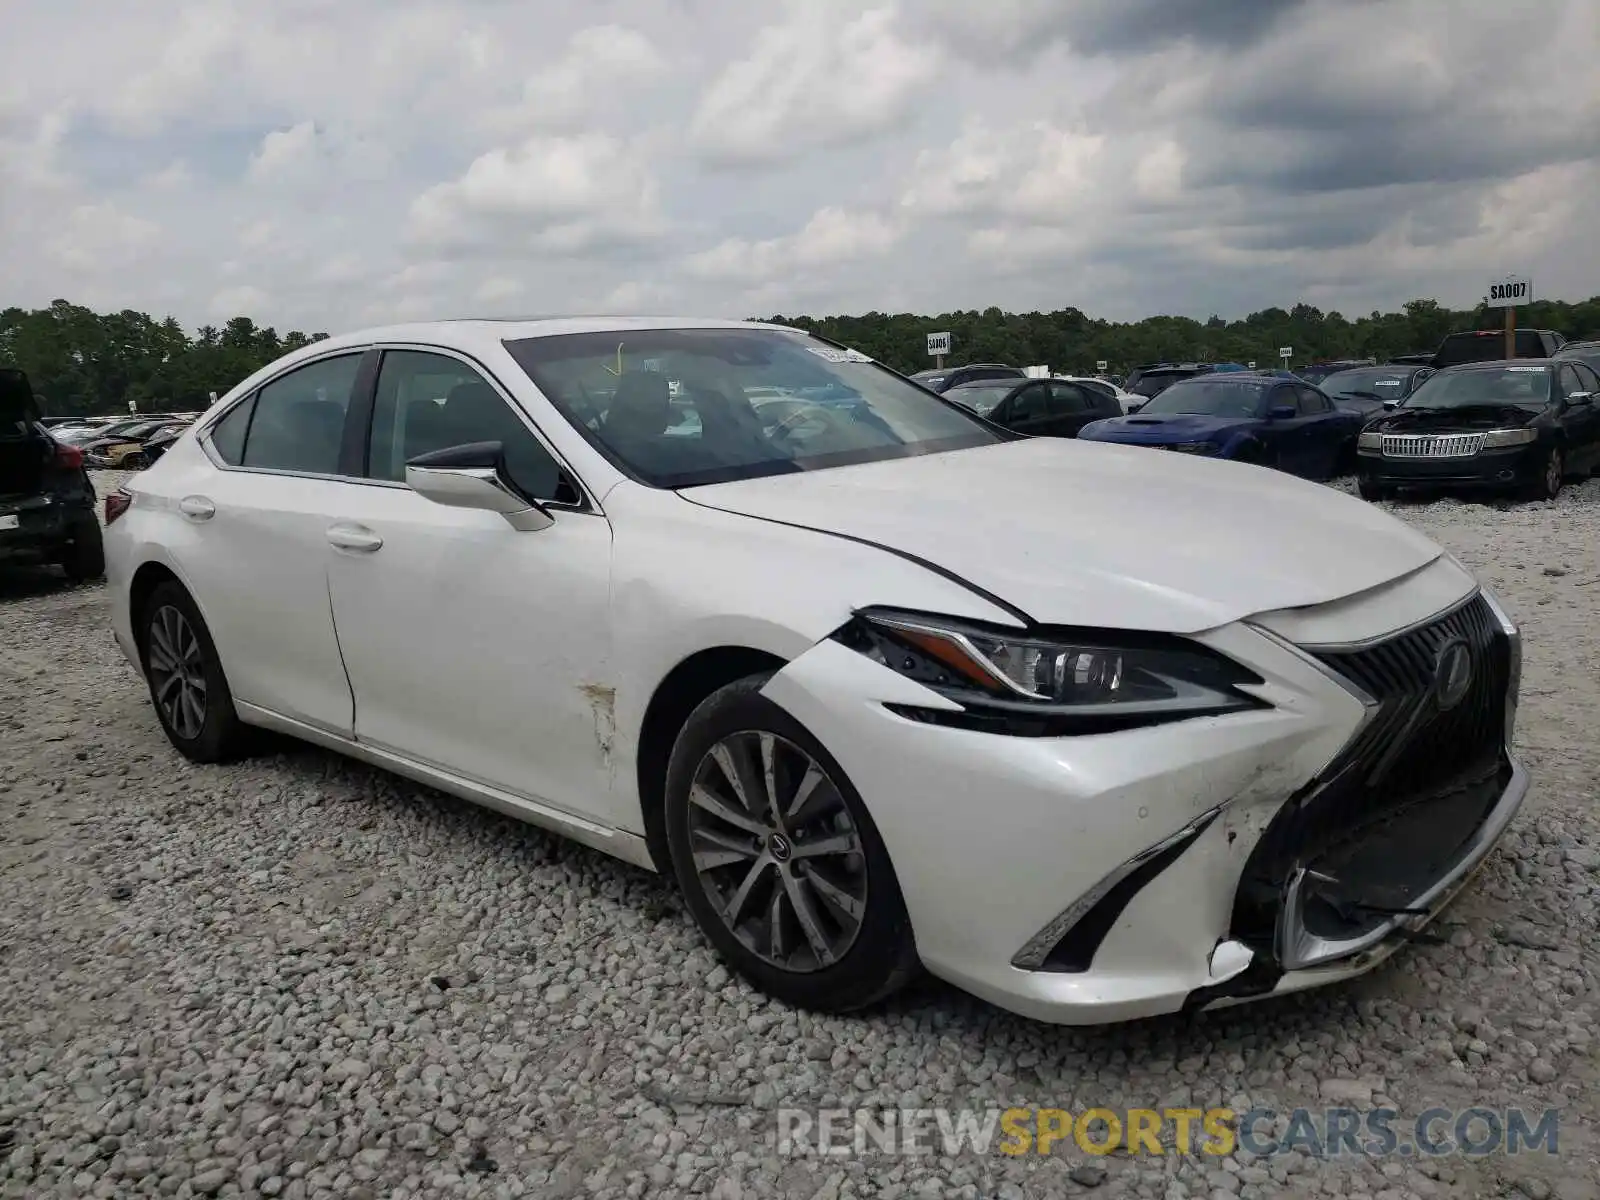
[
  {"x": 1027, "y": 410},
  {"x": 251, "y": 538},
  {"x": 1073, "y": 407}
]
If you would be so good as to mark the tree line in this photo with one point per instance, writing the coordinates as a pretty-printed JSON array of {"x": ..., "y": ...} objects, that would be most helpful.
[{"x": 81, "y": 361}]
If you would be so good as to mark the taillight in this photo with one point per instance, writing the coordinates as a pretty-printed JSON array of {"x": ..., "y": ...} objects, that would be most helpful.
[
  {"x": 117, "y": 503},
  {"x": 69, "y": 458}
]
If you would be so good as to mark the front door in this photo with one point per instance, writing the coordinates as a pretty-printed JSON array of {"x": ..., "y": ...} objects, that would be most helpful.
[{"x": 472, "y": 646}]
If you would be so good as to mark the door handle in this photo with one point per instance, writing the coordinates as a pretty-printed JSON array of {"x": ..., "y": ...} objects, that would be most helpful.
[
  {"x": 359, "y": 538},
  {"x": 197, "y": 508}
]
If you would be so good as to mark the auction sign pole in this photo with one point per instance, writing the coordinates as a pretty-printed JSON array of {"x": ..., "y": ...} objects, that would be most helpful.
[
  {"x": 1507, "y": 293},
  {"x": 938, "y": 347}
]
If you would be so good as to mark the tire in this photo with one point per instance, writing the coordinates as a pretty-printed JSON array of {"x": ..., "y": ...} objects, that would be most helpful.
[
  {"x": 85, "y": 558},
  {"x": 135, "y": 462},
  {"x": 1551, "y": 477},
  {"x": 1256, "y": 455},
  {"x": 1372, "y": 491},
  {"x": 867, "y": 954},
  {"x": 165, "y": 626}
]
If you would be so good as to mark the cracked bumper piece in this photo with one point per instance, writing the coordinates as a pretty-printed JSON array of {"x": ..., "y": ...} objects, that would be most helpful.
[{"x": 1101, "y": 878}]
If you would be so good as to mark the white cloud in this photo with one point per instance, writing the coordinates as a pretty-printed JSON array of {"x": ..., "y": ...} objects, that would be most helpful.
[
  {"x": 602, "y": 64},
  {"x": 832, "y": 237},
  {"x": 816, "y": 79},
  {"x": 563, "y": 194},
  {"x": 1036, "y": 173},
  {"x": 100, "y": 237}
]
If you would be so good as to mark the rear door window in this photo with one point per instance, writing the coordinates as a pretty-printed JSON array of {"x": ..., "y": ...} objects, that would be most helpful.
[
  {"x": 228, "y": 434},
  {"x": 298, "y": 423}
]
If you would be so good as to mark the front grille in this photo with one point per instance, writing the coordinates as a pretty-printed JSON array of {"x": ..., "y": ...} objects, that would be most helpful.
[
  {"x": 1409, "y": 754},
  {"x": 1431, "y": 445}
]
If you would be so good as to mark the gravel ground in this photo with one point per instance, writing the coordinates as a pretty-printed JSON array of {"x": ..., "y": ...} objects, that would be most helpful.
[{"x": 301, "y": 977}]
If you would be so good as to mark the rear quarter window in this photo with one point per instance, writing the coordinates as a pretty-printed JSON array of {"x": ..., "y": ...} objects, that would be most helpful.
[{"x": 228, "y": 434}]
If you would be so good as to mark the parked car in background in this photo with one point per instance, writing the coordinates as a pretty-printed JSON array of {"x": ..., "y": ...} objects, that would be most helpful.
[
  {"x": 1126, "y": 401},
  {"x": 46, "y": 500},
  {"x": 78, "y": 435},
  {"x": 1513, "y": 425},
  {"x": 1489, "y": 345},
  {"x": 1152, "y": 380},
  {"x": 159, "y": 442},
  {"x": 1037, "y": 407},
  {"x": 1246, "y": 417},
  {"x": 1317, "y": 372},
  {"x": 945, "y": 378},
  {"x": 1366, "y": 390},
  {"x": 843, "y": 684},
  {"x": 1411, "y": 360},
  {"x": 1585, "y": 352},
  {"x": 125, "y": 449}
]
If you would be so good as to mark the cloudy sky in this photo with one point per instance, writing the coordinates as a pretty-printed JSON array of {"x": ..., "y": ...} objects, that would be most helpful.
[{"x": 331, "y": 163}]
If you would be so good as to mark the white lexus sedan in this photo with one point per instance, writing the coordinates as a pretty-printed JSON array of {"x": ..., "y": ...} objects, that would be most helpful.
[{"x": 879, "y": 685}]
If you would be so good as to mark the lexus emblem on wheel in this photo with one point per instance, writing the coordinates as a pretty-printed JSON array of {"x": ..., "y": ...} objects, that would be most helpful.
[{"x": 1452, "y": 674}]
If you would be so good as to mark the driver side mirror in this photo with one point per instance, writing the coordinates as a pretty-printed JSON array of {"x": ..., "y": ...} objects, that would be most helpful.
[
  {"x": 473, "y": 476},
  {"x": 1580, "y": 397},
  {"x": 1282, "y": 412},
  {"x": 1391, "y": 404},
  {"x": 1133, "y": 408}
]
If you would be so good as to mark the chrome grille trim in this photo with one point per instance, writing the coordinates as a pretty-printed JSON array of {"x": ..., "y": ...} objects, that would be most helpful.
[{"x": 1431, "y": 445}]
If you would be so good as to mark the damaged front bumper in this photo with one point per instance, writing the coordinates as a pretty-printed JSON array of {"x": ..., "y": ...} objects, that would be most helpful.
[{"x": 1223, "y": 832}]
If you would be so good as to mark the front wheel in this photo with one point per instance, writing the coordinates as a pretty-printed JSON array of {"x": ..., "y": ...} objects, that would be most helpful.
[
  {"x": 1372, "y": 491},
  {"x": 187, "y": 686},
  {"x": 1552, "y": 475},
  {"x": 778, "y": 859},
  {"x": 135, "y": 462}
]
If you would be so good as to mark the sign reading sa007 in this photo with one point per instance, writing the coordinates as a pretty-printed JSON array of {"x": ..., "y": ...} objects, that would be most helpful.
[
  {"x": 938, "y": 344},
  {"x": 1510, "y": 291}
]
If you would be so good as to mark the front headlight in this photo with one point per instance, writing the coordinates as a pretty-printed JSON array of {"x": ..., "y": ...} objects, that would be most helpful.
[
  {"x": 1369, "y": 441},
  {"x": 1497, "y": 438},
  {"x": 1050, "y": 684}
]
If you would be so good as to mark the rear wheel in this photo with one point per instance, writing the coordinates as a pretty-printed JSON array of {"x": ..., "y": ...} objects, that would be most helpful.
[
  {"x": 778, "y": 859},
  {"x": 137, "y": 461},
  {"x": 85, "y": 558},
  {"x": 187, "y": 686}
]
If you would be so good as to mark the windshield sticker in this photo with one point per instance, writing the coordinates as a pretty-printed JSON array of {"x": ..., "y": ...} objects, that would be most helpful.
[
  {"x": 839, "y": 356},
  {"x": 1529, "y": 370}
]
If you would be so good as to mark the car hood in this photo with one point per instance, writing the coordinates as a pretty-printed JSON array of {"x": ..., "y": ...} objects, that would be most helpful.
[
  {"x": 1468, "y": 419},
  {"x": 1083, "y": 534},
  {"x": 1161, "y": 427}
]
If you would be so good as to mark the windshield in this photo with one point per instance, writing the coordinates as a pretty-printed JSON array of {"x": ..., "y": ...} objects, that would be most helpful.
[
  {"x": 1209, "y": 398},
  {"x": 982, "y": 400},
  {"x": 673, "y": 407},
  {"x": 1525, "y": 387},
  {"x": 1380, "y": 383}
]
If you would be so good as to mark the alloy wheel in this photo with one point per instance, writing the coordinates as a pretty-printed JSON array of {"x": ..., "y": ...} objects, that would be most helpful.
[
  {"x": 776, "y": 852},
  {"x": 177, "y": 672},
  {"x": 1554, "y": 474}
]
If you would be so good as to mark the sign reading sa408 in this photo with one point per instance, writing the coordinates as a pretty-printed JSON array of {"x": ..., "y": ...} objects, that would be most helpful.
[
  {"x": 1512, "y": 290},
  {"x": 938, "y": 343}
]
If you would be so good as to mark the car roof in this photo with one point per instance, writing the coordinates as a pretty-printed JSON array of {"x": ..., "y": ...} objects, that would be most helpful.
[
  {"x": 1493, "y": 363},
  {"x": 1008, "y": 381}
]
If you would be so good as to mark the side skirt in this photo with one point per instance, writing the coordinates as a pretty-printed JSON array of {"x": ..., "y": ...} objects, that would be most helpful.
[{"x": 618, "y": 843}]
